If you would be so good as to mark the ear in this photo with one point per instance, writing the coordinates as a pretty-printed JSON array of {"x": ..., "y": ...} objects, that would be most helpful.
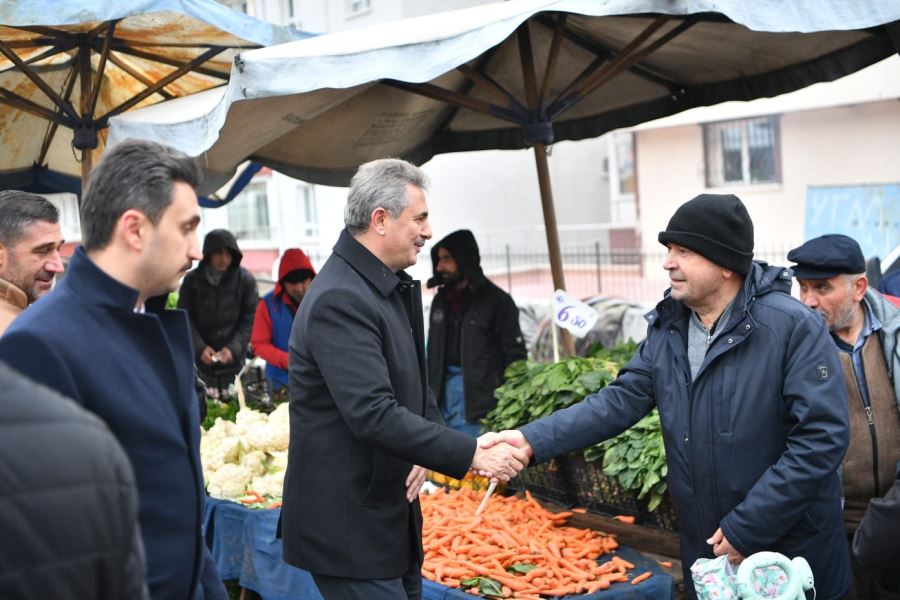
[
  {"x": 3, "y": 252},
  {"x": 378, "y": 220},
  {"x": 132, "y": 227},
  {"x": 859, "y": 288}
]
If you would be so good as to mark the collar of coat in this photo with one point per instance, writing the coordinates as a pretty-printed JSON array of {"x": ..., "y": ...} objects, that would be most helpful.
[
  {"x": 94, "y": 286},
  {"x": 368, "y": 265},
  {"x": 12, "y": 295},
  {"x": 760, "y": 280}
]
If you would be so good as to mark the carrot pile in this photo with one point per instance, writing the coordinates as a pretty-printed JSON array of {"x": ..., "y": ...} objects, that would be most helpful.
[{"x": 514, "y": 549}]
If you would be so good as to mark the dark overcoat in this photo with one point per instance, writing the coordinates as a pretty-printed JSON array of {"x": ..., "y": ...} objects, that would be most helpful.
[
  {"x": 135, "y": 371},
  {"x": 358, "y": 411},
  {"x": 753, "y": 443}
]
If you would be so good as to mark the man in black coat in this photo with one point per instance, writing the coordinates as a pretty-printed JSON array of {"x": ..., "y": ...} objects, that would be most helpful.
[
  {"x": 220, "y": 298},
  {"x": 473, "y": 334},
  {"x": 68, "y": 501},
  {"x": 362, "y": 420},
  {"x": 105, "y": 339}
]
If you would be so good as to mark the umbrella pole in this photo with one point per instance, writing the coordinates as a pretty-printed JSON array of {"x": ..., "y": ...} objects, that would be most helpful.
[
  {"x": 84, "y": 64},
  {"x": 543, "y": 171},
  {"x": 567, "y": 343},
  {"x": 86, "y": 165}
]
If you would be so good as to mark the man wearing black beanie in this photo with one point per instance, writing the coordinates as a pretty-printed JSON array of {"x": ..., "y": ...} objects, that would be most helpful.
[{"x": 751, "y": 397}]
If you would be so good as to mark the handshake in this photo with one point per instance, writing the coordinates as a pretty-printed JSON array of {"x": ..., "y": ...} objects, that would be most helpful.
[{"x": 501, "y": 456}]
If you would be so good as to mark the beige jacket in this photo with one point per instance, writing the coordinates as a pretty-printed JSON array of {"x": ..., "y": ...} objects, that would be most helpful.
[{"x": 12, "y": 302}]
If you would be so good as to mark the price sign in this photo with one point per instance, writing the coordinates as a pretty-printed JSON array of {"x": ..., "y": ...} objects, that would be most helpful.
[{"x": 572, "y": 314}]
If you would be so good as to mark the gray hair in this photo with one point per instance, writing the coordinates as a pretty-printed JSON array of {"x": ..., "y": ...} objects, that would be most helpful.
[
  {"x": 19, "y": 210},
  {"x": 380, "y": 184},
  {"x": 132, "y": 175}
]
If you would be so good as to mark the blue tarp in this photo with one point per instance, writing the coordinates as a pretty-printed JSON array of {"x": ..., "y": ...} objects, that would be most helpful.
[{"x": 244, "y": 547}]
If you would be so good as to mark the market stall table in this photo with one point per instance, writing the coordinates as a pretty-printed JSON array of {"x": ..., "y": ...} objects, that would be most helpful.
[{"x": 244, "y": 547}]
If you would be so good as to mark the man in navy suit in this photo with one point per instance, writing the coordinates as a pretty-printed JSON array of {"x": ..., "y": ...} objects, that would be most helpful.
[{"x": 104, "y": 339}]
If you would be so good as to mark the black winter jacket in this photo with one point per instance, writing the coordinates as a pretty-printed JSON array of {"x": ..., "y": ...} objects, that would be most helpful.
[
  {"x": 220, "y": 315},
  {"x": 490, "y": 338},
  {"x": 753, "y": 443},
  {"x": 877, "y": 541},
  {"x": 68, "y": 501}
]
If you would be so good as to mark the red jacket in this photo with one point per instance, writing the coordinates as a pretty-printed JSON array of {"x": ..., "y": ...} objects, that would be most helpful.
[{"x": 261, "y": 339}]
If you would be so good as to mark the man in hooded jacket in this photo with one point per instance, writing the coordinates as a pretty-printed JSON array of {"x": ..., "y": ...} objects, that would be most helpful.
[
  {"x": 751, "y": 398},
  {"x": 275, "y": 316},
  {"x": 473, "y": 333},
  {"x": 220, "y": 298}
]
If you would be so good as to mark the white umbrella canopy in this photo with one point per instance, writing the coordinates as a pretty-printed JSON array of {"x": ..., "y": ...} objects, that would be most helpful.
[
  {"x": 508, "y": 75},
  {"x": 67, "y": 67}
]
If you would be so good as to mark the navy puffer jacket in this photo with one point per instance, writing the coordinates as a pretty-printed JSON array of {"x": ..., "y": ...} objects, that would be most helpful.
[{"x": 752, "y": 444}]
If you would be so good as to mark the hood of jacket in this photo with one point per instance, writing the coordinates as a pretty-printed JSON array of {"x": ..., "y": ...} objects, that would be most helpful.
[
  {"x": 463, "y": 248},
  {"x": 294, "y": 259},
  {"x": 222, "y": 238}
]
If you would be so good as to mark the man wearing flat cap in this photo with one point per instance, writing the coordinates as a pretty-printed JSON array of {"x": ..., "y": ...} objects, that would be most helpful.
[
  {"x": 751, "y": 398},
  {"x": 830, "y": 270}
]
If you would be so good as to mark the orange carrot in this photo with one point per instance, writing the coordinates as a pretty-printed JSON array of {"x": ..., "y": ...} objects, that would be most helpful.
[
  {"x": 625, "y": 519},
  {"x": 641, "y": 577}
]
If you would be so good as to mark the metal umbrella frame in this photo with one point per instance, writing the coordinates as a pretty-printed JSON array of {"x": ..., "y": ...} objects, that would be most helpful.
[{"x": 75, "y": 65}]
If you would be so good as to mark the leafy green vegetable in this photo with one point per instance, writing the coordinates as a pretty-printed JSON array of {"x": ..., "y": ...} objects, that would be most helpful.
[
  {"x": 521, "y": 568},
  {"x": 486, "y": 586},
  {"x": 216, "y": 409},
  {"x": 172, "y": 300},
  {"x": 532, "y": 390},
  {"x": 636, "y": 458}
]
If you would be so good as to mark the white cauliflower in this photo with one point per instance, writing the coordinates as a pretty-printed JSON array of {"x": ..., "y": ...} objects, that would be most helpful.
[
  {"x": 256, "y": 461},
  {"x": 229, "y": 481},
  {"x": 279, "y": 461},
  {"x": 269, "y": 485},
  {"x": 258, "y": 435}
]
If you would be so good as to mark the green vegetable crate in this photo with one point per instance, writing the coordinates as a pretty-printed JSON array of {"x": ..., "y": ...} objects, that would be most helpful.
[{"x": 588, "y": 487}]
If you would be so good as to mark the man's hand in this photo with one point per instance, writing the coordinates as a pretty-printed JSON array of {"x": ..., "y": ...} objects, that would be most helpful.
[
  {"x": 225, "y": 356},
  {"x": 207, "y": 356},
  {"x": 414, "y": 482},
  {"x": 498, "y": 460},
  {"x": 721, "y": 546},
  {"x": 513, "y": 437}
]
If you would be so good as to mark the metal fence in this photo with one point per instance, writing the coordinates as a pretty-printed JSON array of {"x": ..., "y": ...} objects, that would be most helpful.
[{"x": 591, "y": 270}]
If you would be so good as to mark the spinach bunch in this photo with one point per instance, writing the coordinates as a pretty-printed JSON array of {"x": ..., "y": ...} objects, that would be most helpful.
[
  {"x": 636, "y": 458},
  {"x": 533, "y": 390}
]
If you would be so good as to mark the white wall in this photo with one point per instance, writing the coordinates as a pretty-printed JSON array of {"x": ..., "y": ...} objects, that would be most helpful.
[{"x": 844, "y": 145}]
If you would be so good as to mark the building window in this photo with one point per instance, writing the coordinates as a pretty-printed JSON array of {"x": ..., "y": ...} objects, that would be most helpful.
[
  {"x": 622, "y": 179},
  {"x": 310, "y": 217},
  {"x": 357, "y": 7},
  {"x": 248, "y": 214},
  {"x": 742, "y": 152},
  {"x": 624, "y": 148}
]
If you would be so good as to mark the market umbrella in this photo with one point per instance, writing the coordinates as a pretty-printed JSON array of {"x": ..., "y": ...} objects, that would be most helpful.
[
  {"x": 509, "y": 75},
  {"x": 67, "y": 67}
]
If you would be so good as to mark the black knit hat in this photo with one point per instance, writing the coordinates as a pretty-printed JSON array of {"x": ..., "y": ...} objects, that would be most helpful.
[{"x": 716, "y": 226}]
